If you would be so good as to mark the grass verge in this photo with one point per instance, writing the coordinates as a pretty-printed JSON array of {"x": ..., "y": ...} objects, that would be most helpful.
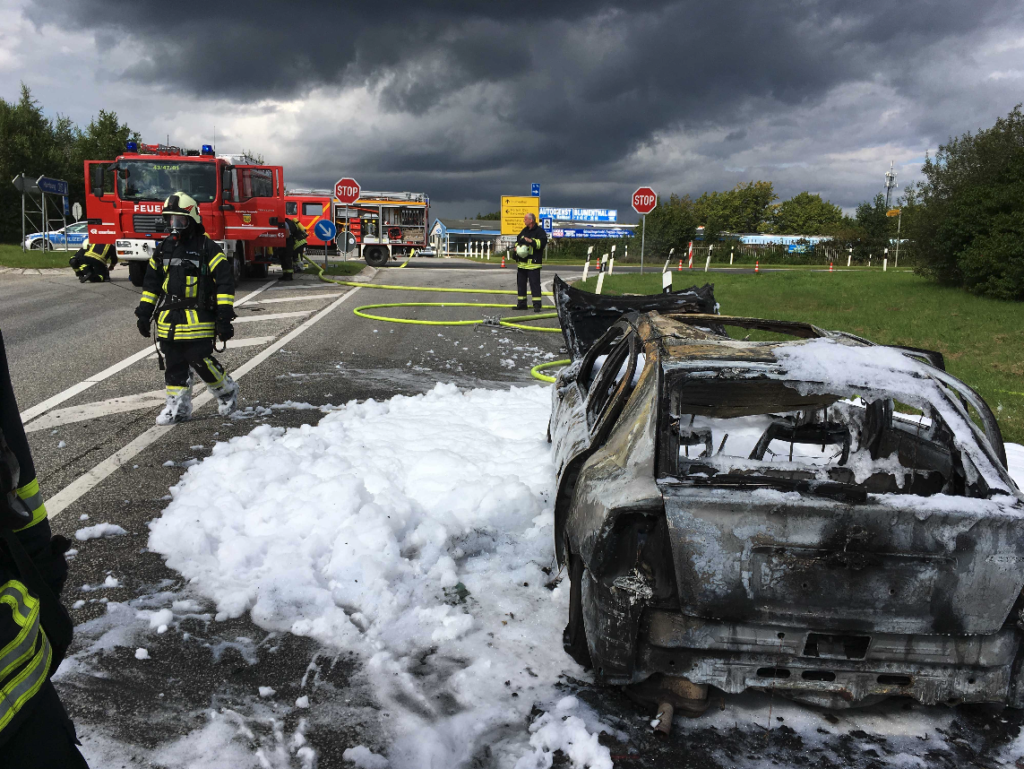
[
  {"x": 343, "y": 268},
  {"x": 12, "y": 256},
  {"x": 980, "y": 338}
]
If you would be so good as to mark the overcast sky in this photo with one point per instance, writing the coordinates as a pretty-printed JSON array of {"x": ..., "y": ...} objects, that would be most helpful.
[{"x": 474, "y": 99}]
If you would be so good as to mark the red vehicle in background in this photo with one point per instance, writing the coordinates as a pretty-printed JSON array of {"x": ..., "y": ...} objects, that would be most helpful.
[
  {"x": 381, "y": 225},
  {"x": 240, "y": 200}
]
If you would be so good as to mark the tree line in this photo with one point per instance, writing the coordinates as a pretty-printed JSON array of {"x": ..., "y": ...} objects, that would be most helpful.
[{"x": 36, "y": 145}]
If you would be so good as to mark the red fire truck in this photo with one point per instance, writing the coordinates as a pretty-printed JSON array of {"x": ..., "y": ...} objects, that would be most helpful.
[
  {"x": 240, "y": 200},
  {"x": 381, "y": 224}
]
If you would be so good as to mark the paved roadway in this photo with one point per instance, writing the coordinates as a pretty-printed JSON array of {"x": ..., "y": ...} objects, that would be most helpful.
[{"x": 89, "y": 391}]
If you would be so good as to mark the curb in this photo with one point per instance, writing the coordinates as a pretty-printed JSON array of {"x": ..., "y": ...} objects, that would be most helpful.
[{"x": 52, "y": 271}]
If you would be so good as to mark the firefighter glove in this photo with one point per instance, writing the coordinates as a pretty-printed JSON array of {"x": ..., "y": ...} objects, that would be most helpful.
[
  {"x": 225, "y": 330},
  {"x": 143, "y": 324}
]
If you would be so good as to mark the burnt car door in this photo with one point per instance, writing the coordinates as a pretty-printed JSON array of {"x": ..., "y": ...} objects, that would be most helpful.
[{"x": 588, "y": 397}]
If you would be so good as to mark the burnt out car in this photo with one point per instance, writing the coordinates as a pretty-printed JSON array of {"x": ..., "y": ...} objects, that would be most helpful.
[{"x": 819, "y": 516}]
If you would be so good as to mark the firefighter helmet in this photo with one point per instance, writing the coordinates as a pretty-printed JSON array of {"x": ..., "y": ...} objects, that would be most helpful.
[
  {"x": 180, "y": 203},
  {"x": 523, "y": 251}
]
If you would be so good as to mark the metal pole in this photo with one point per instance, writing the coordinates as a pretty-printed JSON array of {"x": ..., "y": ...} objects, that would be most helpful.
[
  {"x": 899, "y": 223},
  {"x": 643, "y": 237},
  {"x": 46, "y": 239},
  {"x": 23, "y": 213}
]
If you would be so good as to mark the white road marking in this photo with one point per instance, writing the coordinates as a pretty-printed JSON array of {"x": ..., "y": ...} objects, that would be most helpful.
[
  {"x": 251, "y": 341},
  {"x": 59, "y": 502},
  {"x": 272, "y": 316},
  {"x": 306, "y": 298},
  {"x": 85, "y": 384},
  {"x": 320, "y": 286},
  {"x": 86, "y": 411}
]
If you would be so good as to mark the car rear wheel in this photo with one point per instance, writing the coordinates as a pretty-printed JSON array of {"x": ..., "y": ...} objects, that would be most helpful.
[
  {"x": 137, "y": 273},
  {"x": 574, "y": 637},
  {"x": 41, "y": 244},
  {"x": 376, "y": 257}
]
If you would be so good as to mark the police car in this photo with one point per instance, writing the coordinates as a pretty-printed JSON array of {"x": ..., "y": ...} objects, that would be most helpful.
[{"x": 76, "y": 235}]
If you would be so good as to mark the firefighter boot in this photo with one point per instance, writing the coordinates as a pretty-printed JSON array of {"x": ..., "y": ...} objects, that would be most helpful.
[
  {"x": 521, "y": 304},
  {"x": 537, "y": 305},
  {"x": 178, "y": 408},
  {"x": 287, "y": 275},
  {"x": 227, "y": 396}
]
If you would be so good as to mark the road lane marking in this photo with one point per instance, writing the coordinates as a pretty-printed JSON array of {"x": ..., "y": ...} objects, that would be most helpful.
[
  {"x": 85, "y": 384},
  {"x": 59, "y": 502},
  {"x": 272, "y": 316},
  {"x": 252, "y": 341},
  {"x": 87, "y": 411},
  {"x": 307, "y": 298}
]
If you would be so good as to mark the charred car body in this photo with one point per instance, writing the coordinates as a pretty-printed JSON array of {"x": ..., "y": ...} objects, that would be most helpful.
[{"x": 820, "y": 516}]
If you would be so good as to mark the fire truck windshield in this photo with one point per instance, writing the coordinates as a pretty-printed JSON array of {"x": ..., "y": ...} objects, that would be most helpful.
[{"x": 160, "y": 178}]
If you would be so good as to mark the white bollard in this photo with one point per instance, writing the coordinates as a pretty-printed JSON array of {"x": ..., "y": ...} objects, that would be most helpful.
[
  {"x": 885, "y": 264},
  {"x": 707, "y": 264},
  {"x": 665, "y": 268},
  {"x": 586, "y": 267},
  {"x": 848, "y": 258},
  {"x": 732, "y": 252},
  {"x": 666, "y": 282},
  {"x": 611, "y": 263},
  {"x": 600, "y": 282}
]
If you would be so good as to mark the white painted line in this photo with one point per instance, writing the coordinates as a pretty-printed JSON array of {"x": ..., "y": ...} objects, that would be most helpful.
[
  {"x": 86, "y": 411},
  {"x": 252, "y": 341},
  {"x": 321, "y": 286},
  {"x": 306, "y": 298},
  {"x": 56, "y": 504},
  {"x": 272, "y": 316},
  {"x": 85, "y": 384}
]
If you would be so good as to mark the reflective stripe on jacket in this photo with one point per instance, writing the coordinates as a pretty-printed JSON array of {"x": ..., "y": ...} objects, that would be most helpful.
[{"x": 25, "y": 661}]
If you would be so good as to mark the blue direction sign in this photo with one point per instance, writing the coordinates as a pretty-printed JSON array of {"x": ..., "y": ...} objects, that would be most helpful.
[
  {"x": 52, "y": 186},
  {"x": 535, "y": 190},
  {"x": 325, "y": 230}
]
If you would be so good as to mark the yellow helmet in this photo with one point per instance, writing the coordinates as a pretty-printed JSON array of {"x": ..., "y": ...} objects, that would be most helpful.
[{"x": 180, "y": 203}]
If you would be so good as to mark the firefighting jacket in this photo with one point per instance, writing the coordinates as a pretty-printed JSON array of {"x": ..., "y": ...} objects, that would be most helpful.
[
  {"x": 540, "y": 240},
  {"x": 105, "y": 254},
  {"x": 297, "y": 235},
  {"x": 33, "y": 635},
  {"x": 190, "y": 284}
]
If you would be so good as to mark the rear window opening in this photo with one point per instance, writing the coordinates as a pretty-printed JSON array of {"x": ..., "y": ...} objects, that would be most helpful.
[{"x": 736, "y": 430}]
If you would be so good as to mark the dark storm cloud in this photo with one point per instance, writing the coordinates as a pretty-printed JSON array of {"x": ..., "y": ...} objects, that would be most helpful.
[{"x": 581, "y": 85}]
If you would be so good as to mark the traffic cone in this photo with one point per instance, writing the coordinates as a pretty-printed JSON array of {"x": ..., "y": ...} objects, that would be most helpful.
[
  {"x": 503, "y": 261},
  {"x": 680, "y": 266},
  {"x": 757, "y": 266},
  {"x": 830, "y": 266}
]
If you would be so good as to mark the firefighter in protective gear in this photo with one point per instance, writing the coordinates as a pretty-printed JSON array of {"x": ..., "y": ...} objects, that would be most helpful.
[
  {"x": 291, "y": 254},
  {"x": 94, "y": 262},
  {"x": 529, "y": 253},
  {"x": 35, "y": 630},
  {"x": 190, "y": 287}
]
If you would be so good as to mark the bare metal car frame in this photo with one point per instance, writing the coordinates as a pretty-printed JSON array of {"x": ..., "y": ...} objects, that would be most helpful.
[{"x": 826, "y": 590}]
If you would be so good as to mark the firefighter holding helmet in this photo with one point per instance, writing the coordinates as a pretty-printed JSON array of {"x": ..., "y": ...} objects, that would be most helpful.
[{"x": 190, "y": 287}]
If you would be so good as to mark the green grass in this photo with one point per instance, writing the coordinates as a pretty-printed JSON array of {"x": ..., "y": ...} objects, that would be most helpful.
[
  {"x": 12, "y": 256},
  {"x": 981, "y": 339}
]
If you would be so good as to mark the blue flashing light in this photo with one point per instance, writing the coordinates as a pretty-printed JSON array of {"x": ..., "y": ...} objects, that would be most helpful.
[
  {"x": 207, "y": 149},
  {"x": 132, "y": 147}
]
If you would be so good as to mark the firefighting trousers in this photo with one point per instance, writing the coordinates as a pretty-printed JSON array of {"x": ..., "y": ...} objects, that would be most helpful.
[
  {"x": 93, "y": 270},
  {"x": 196, "y": 354},
  {"x": 45, "y": 740},
  {"x": 533, "y": 278}
]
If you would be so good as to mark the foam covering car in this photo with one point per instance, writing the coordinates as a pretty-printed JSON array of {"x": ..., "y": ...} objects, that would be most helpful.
[{"x": 812, "y": 514}]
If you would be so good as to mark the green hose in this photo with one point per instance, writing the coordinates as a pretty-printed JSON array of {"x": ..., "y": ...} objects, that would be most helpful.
[{"x": 511, "y": 322}]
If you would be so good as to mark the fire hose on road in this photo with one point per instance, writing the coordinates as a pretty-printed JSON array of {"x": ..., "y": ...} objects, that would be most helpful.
[{"x": 515, "y": 321}]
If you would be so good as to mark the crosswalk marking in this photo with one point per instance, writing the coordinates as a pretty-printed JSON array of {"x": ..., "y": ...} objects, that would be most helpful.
[{"x": 272, "y": 316}]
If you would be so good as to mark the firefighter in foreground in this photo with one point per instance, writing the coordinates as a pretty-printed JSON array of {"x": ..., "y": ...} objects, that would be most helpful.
[
  {"x": 190, "y": 286},
  {"x": 291, "y": 254},
  {"x": 93, "y": 263},
  {"x": 35, "y": 629},
  {"x": 529, "y": 254}
]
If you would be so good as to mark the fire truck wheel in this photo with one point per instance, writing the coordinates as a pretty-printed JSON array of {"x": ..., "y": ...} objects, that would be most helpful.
[
  {"x": 257, "y": 270},
  {"x": 137, "y": 273},
  {"x": 376, "y": 257},
  {"x": 238, "y": 264}
]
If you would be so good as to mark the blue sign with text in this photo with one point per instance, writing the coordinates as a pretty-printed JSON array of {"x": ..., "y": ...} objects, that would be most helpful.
[
  {"x": 52, "y": 186},
  {"x": 581, "y": 214},
  {"x": 535, "y": 190}
]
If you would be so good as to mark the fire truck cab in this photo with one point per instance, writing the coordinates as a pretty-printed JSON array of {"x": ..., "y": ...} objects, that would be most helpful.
[
  {"x": 241, "y": 202},
  {"x": 381, "y": 225}
]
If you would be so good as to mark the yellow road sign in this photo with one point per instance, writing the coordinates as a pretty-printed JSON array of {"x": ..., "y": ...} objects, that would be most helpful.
[
  {"x": 514, "y": 208},
  {"x": 893, "y": 212}
]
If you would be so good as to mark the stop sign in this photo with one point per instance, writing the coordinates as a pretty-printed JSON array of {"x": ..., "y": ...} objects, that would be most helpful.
[
  {"x": 346, "y": 190},
  {"x": 644, "y": 200}
]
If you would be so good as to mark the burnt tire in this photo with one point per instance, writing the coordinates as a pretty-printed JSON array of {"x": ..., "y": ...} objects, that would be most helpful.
[
  {"x": 574, "y": 637},
  {"x": 376, "y": 257},
  {"x": 137, "y": 273}
]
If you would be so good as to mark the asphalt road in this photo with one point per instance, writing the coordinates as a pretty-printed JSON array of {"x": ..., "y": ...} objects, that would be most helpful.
[{"x": 61, "y": 335}]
